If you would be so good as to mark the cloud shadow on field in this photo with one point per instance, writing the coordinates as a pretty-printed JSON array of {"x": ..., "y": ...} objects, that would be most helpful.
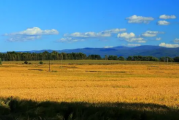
[{"x": 14, "y": 108}]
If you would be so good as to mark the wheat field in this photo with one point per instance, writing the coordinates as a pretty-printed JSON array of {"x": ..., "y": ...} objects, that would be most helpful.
[{"x": 130, "y": 82}]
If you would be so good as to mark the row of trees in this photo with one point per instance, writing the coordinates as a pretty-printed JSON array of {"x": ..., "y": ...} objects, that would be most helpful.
[
  {"x": 145, "y": 58},
  {"x": 20, "y": 56}
]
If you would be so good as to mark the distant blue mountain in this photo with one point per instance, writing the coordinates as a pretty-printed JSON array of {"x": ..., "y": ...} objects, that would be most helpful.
[{"x": 145, "y": 50}]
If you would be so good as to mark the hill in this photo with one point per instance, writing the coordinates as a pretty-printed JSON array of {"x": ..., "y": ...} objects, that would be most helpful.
[{"x": 145, "y": 50}]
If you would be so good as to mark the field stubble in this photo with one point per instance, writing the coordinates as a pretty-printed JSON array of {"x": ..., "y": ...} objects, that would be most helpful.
[{"x": 131, "y": 83}]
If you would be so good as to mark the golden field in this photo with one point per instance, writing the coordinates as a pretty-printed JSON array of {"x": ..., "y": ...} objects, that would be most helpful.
[{"x": 111, "y": 81}]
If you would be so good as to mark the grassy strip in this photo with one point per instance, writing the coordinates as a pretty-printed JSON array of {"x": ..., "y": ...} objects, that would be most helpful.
[{"x": 91, "y": 62}]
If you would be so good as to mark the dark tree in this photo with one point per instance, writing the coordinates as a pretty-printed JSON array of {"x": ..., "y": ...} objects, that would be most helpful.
[
  {"x": 129, "y": 58},
  {"x": 176, "y": 59},
  {"x": 121, "y": 58}
]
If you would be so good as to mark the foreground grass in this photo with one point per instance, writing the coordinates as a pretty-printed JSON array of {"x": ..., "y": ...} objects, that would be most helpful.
[{"x": 15, "y": 109}]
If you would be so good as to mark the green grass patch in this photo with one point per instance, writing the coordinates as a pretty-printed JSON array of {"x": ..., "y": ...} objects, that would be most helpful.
[{"x": 92, "y": 62}]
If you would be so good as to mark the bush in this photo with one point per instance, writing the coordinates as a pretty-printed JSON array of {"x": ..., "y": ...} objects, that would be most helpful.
[
  {"x": 40, "y": 62},
  {"x": 25, "y": 62},
  {"x": 0, "y": 62}
]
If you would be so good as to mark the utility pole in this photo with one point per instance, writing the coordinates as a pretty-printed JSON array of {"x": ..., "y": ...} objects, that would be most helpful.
[
  {"x": 49, "y": 61},
  {"x": 167, "y": 60},
  {"x": 61, "y": 59},
  {"x": 49, "y": 65}
]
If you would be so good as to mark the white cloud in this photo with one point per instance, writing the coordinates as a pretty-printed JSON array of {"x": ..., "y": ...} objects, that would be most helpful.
[
  {"x": 163, "y": 22},
  {"x": 69, "y": 39},
  {"x": 176, "y": 40},
  {"x": 158, "y": 38},
  {"x": 117, "y": 30},
  {"x": 167, "y": 17},
  {"x": 131, "y": 37},
  {"x": 126, "y": 35},
  {"x": 133, "y": 45},
  {"x": 88, "y": 35},
  {"x": 19, "y": 38},
  {"x": 169, "y": 45},
  {"x": 35, "y": 31},
  {"x": 78, "y": 36},
  {"x": 151, "y": 33},
  {"x": 106, "y": 33},
  {"x": 30, "y": 34},
  {"x": 139, "y": 40},
  {"x": 139, "y": 19},
  {"x": 108, "y": 46}
]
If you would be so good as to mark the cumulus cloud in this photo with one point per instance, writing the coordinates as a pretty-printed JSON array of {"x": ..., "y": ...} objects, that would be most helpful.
[
  {"x": 151, "y": 33},
  {"x": 139, "y": 19},
  {"x": 176, "y": 40},
  {"x": 106, "y": 33},
  {"x": 78, "y": 36},
  {"x": 169, "y": 45},
  {"x": 131, "y": 37},
  {"x": 163, "y": 22},
  {"x": 158, "y": 38},
  {"x": 126, "y": 35},
  {"x": 30, "y": 34},
  {"x": 133, "y": 45},
  {"x": 35, "y": 31},
  {"x": 167, "y": 16}
]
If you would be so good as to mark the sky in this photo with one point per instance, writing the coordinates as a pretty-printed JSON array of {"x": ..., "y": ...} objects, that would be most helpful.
[{"x": 69, "y": 24}]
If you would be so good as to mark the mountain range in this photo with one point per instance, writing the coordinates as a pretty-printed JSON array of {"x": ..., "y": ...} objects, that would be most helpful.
[{"x": 145, "y": 50}]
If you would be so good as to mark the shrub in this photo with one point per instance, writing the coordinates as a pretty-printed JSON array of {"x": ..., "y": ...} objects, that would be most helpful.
[
  {"x": 0, "y": 62},
  {"x": 25, "y": 62},
  {"x": 40, "y": 62}
]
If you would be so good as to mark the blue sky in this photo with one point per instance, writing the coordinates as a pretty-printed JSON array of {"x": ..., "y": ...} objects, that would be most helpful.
[{"x": 69, "y": 24}]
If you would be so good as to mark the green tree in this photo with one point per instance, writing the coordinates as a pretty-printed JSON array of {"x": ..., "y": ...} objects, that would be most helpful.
[
  {"x": 94, "y": 57},
  {"x": 55, "y": 55},
  {"x": 169, "y": 59},
  {"x": 112, "y": 57},
  {"x": 45, "y": 55},
  {"x": 176, "y": 59},
  {"x": 166, "y": 59},
  {"x": 121, "y": 58},
  {"x": 129, "y": 58}
]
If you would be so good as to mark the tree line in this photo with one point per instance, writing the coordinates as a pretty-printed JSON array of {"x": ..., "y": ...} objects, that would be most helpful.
[{"x": 26, "y": 56}]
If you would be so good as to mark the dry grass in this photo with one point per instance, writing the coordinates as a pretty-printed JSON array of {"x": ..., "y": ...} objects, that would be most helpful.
[{"x": 148, "y": 83}]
